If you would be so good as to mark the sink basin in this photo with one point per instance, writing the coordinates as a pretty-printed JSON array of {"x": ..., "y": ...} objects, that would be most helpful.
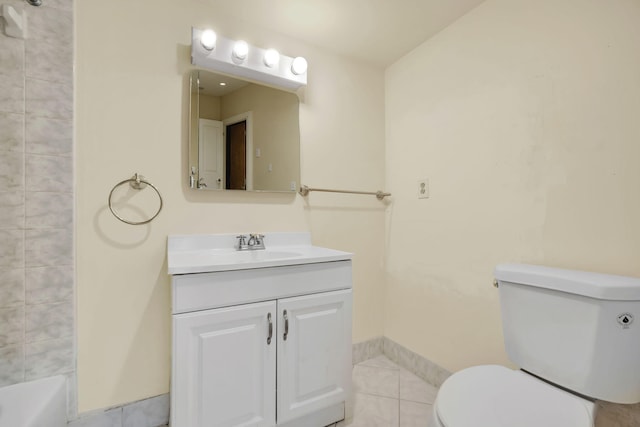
[{"x": 215, "y": 252}]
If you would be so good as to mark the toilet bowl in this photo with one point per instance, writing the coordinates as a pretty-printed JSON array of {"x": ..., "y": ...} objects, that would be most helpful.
[{"x": 495, "y": 396}]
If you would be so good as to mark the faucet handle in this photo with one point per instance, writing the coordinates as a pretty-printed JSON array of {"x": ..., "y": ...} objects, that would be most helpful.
[{"x": 242, "y": 242}]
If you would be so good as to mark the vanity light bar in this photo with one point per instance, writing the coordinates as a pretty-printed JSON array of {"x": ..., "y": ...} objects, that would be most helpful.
[{"x": 226, "y": 56}]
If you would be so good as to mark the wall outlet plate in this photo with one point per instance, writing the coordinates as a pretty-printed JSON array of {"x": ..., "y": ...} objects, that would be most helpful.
[{"x": 423, "y": 189}]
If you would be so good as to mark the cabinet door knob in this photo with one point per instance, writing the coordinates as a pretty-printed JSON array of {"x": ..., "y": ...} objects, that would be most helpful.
[
  {"x": 286, "y": 325},
  {"x": 270, "y": 329}
]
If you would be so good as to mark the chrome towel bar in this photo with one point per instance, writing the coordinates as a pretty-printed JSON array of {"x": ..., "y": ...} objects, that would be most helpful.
[{"x": 304, "y": 191}]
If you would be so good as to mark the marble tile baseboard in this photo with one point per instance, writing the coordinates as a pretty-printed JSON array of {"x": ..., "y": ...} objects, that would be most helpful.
[
  {"x": 152, "y": 412},
  {"x": 366, "y": 350},
  {"x": 413, "y": 362},
  {"x": 403, "y": 357}
]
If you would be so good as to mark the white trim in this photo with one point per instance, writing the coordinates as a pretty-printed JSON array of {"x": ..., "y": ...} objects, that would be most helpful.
[{"x": 248, "y": 117}]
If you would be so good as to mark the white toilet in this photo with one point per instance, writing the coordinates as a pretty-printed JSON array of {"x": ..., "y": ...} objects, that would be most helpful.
[{"x": 576, "y": 337}]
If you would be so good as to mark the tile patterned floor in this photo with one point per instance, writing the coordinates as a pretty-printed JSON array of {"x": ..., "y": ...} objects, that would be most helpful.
[{"x": 386, "y": 395}]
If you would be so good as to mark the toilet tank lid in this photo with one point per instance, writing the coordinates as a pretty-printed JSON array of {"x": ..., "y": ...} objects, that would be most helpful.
[{"x": 594, "y": 285}]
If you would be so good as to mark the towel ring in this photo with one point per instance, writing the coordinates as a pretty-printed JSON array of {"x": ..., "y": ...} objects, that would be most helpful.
[{"x": 138, "y": 182}]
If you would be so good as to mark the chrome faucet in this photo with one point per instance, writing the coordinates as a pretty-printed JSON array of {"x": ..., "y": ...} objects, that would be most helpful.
[{"x": 255, "y": 242}]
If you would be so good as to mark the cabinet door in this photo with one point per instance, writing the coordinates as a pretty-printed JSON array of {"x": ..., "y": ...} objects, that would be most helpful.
[
  {"x": 224, "y": 368},
  {"x": 314, "y": 352}
]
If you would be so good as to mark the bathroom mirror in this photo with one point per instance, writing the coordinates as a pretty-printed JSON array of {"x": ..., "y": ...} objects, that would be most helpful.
[{"x": 242, "y": 135}]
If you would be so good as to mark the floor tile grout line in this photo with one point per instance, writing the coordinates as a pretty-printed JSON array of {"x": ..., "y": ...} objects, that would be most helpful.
[
  {"x": 377, "y": 395},
  {"x": 399, "y": 399},
  {"x": 379, "y": 367},
  {"x": 24, "y": 211},
  {"x": 416, "y": 401}
]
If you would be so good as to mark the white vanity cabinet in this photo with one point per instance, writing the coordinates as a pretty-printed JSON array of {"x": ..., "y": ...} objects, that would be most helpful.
[{"x": 262, "y": 346}]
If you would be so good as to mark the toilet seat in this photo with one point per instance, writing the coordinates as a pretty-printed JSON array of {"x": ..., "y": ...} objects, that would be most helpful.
[{"x": 495, "y": 396}]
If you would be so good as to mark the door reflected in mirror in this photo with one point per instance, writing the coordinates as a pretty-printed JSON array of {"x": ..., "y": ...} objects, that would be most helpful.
[{"x": 242, "y": 136}]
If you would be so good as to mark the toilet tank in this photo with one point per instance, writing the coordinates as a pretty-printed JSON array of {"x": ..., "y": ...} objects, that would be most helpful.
[{"x": 576, "y": 329}]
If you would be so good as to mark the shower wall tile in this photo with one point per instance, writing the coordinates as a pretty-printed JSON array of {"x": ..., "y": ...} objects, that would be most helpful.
[
  {"x": 11, "y": 209},
  {"x": 11, "y": 364},
  {"x": 11, "y": 326},
  {"x": 48, "y": 247},
  {"x": 11, "y": 171},
  {"x": 47, "y": 99},
  {"x": 49, "y": 321},
  {"x": 11, "y": 93},
  {"x": 12, "y": 134},
  {"x": 46, "y": 358},
  {"x": 11, "y": 56},
  {"x": 36, "y": 141},
  {"x": 147, "y": 413},
  {"x": 49, "y": 210},
  {"x": 48, "y": 173},
  {"x": 12, "y": 287},
  {"x": 12, "y": 249},
  {"x": 48, "y": 284},
  {"x": 49, "y": 61},
  {"x": 49, "y": 136},
  {"x": 51, "y": 24}
]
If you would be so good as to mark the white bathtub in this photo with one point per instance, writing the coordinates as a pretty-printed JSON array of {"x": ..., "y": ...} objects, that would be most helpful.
[{"x": 40, "y": 403}]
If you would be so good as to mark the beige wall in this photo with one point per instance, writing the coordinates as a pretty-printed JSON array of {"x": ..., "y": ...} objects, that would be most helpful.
[
  {"x": 132, "y": 102},
  {"x": 209, "y": 107},
  {"x": 524, "y": 117}
]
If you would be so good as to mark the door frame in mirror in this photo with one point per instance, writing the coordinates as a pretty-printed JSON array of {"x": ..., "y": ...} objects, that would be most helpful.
[{"x": 248, "y": 118}]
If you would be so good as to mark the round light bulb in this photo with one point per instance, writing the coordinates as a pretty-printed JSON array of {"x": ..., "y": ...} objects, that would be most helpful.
[
  {"x": 299, "y": 65},
  {"x": 271, "y": 57},
  {"x": 240, "y": 49},
  {"x": 208, "y": 39}
]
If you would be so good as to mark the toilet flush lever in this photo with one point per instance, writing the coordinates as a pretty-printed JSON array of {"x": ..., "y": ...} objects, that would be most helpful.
[{"x": 495, "y": 283}]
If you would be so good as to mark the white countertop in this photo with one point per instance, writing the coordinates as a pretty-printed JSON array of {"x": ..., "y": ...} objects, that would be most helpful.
[{"x": 203, "y": 253}]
